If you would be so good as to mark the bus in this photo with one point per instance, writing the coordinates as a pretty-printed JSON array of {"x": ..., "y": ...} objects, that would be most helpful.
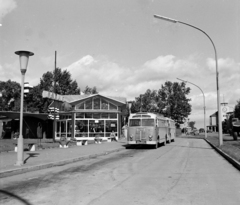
[{"x": 150, "y": 129}]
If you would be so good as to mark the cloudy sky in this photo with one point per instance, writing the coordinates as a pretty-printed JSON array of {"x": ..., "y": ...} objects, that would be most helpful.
[{"x": 121, "y": 49}]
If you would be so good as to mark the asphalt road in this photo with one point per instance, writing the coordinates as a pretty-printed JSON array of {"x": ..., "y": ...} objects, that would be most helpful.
[{"x": 187, "y": 171}]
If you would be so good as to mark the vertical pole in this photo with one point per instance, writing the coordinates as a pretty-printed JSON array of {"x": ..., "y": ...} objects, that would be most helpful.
[
  {"x": 141, "y": 103},
  {"x": 73, "y": 124},
  {"x": 204, "y": 110},
  {"x": 54, "y": 92},
  {"x": 20, "y": 138},
  {"x": 218, "y": 103},
  {"x": 205, "y": 131}
]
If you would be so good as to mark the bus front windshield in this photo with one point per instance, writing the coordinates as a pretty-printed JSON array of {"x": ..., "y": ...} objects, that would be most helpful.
[{"x": 141, "y": 122}]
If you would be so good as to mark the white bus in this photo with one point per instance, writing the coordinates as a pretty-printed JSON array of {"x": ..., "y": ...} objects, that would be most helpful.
[{"x": 150, "y": 129}]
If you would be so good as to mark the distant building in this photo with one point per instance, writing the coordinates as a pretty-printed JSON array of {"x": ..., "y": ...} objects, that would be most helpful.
[{"x": 213, "y": 119}]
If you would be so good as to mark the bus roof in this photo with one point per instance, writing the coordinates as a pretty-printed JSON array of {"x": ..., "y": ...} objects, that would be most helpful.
[
  {"x": 148, "y": 114},
  {"x": 145, "y": 114}
]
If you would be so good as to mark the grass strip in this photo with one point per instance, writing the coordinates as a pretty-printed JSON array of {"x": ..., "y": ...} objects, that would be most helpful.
[{"x": 230, "y": 146}]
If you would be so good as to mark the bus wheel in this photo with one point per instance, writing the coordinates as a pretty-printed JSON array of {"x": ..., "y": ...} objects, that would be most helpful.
[{"x": 164, "y": 143}]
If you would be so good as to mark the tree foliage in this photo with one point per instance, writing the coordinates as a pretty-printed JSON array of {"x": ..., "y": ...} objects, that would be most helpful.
[
  {"x": 58, "y": 81},
  {"x": 64, "y": 85},
  {"x": 170, "y": 100},
  {"x": 191, "y": 124},
  {"x": 10, "y": 95},
  {"x": 33, "y": 101},
  {"x": 237, "y": 110},
  {"x": 89, "y": 90}
]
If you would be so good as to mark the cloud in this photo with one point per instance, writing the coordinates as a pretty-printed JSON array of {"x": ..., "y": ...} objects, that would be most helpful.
[
  {"x": 229, "y": 77},
  {"x": 223, "y": 65},
  {"x": 9, "y": 71},
  {"x": 6, "y": 6},
  {"x": 109, "y": 77}
]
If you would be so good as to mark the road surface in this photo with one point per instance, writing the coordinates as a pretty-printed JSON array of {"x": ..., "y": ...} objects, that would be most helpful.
[{"x": 187, "y": 171}]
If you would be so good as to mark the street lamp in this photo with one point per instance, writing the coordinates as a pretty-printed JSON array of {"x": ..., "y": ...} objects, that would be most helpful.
[
  {"x": 217, "y": 73},
  {"x": 204, "y": 106},
  {"x": 23, "y": 57}
]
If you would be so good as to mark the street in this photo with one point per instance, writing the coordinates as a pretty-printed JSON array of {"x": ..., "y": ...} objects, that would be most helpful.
[{"x": 187, "y": 171}]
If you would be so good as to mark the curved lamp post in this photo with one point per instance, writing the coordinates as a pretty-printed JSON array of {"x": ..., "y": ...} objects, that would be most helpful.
[
  {"x": 23, "y": 57},
  {"x": 217, "y": 73},
  {"x": 204, "y": 106}
]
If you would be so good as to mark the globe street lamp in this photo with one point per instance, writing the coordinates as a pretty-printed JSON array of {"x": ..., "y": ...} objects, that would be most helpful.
[
  {"x": 23, "y": 57},
  {"x": 217, "y": 73},
  {"x": 204, "y": 106}
]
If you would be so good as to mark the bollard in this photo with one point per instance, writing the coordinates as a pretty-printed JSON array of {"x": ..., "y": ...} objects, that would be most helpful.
[
  {"x": 32, "y": 148},
  {"x": 79, "y": 143}
]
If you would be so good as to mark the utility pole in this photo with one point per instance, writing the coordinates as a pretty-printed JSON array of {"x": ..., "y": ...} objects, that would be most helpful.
[{"x": 54, "y": 97}]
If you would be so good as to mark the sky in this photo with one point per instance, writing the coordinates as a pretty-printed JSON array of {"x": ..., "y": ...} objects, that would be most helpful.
[{"x": 119, "y": 47}]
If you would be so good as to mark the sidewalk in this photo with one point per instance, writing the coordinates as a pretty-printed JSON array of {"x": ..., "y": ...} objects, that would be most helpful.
[
  {"x": 230, "y": 149},
  {"x": 46, "y": 158}
]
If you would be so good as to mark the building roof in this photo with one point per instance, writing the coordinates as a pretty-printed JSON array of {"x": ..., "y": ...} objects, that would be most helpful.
[
  {"x": 75, "y": 99},
  {"x": 16, "y": 115},
  {"x": 214, "y": 114}
]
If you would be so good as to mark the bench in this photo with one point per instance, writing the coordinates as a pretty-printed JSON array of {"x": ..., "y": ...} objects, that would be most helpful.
[
  {"x": 110, "y": 139},
  {"x": 82, "y": 141},
  {"x": 63, "y": 143},
  {"x": 31, "y": 146},
  {"x": 98, "y": 140}
]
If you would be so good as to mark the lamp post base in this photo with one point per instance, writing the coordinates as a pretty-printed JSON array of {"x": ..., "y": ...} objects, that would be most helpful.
[
  {"x": 20, "y": 163},
  {"x": 20, "y": 151}
]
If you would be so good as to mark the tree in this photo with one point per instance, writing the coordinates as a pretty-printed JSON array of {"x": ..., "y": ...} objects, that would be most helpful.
[
  {"x": 147, "y": 102},
  {"x": 191, "y": 124},
  {"x": 64, "y": 85},
  {"x": 34, "y": 100},
  {"x": 11, "y": 93},
  {"x": 170, "y": 100},
  {"x": 174, "y": 98},
  {"x": 89, "y": 90},
  {"x": 237, "y": 110}
]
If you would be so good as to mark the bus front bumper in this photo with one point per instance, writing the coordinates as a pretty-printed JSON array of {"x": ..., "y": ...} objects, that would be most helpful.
[{"x": 142, "y": 142}]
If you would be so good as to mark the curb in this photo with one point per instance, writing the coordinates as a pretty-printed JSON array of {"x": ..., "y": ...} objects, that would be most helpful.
[
  {"x": 234, "y": 162},
  {"x": 12, "y": 172}
]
